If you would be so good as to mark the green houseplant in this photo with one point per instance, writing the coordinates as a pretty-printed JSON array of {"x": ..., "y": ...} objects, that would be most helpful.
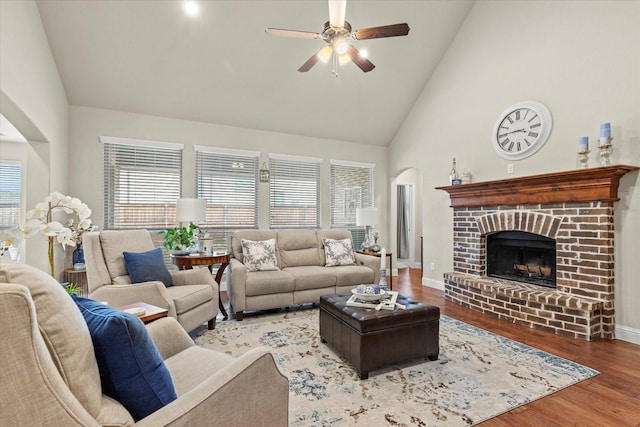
[{"x": 181, "y": 238}]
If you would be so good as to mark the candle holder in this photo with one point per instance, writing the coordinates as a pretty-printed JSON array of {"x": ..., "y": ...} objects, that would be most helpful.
[
  {"x": 583, "y": 158},
  {"x": 383, "y": 279},
  {"x": 606, "y": 148}
]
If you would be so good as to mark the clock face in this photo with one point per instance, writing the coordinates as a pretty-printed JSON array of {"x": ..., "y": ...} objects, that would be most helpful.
[{"x": 521, "y": 130}]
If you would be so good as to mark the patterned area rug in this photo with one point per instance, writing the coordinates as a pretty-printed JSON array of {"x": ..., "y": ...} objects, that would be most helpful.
[{"x": 478, "y": 375}]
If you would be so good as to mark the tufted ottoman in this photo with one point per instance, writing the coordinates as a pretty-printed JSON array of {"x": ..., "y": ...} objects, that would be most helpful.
[{"x": 370, "y": 339}]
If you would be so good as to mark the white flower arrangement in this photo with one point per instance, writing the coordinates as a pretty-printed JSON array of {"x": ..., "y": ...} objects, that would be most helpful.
[{"x": 40, "y": 221}]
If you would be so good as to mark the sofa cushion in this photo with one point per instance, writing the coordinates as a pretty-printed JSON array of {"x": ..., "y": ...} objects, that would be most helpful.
[
  {"x": 259, "y": 255},
  {"x": 147, "y": 267},
  {"x": 312, "y": 277},
  {"x": 299, "y": 248},
  {"x": 338, "y": 252},
  {"x": 64, "y": 332},
  {"x": 131, "y": 368},
  {"x": 268, "y": 282},
  {"x": 353, "y": 275},
  {"x": 115, "y": 242}
]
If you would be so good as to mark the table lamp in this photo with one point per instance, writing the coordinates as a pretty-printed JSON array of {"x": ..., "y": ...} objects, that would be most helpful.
[
  {"x": 191, "y": 210},
  {"x": 365, "y": 217}
]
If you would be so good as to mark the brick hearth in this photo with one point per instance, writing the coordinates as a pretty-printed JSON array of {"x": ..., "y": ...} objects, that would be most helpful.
[{"x": 576, "y": 209}]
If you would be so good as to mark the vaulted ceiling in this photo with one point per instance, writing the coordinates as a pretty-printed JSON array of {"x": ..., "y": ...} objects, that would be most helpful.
[{"x": 149, "y": 57}]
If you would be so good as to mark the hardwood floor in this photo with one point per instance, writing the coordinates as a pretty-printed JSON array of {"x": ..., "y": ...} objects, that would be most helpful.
[{"x": 609, "y": 399}]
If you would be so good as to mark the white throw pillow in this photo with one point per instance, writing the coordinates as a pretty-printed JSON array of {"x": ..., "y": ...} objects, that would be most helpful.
[
  {"x": 338, "y": 252},
  {"x": 259, "y": 255}
]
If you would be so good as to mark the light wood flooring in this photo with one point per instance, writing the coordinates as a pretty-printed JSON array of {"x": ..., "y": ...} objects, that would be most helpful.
[{"x": 609, "y": 399}]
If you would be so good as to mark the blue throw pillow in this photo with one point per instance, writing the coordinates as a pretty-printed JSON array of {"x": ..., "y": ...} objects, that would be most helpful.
[
  {"x": 147, "y": 266},
  {"x": 131, "y": 368}
]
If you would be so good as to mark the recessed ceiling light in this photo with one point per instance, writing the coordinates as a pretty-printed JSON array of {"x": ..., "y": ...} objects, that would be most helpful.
[{"x": 191, "y": 7}]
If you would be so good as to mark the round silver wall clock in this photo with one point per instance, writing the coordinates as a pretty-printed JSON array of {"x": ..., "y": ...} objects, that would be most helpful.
[{"x": 521, "y": 130}]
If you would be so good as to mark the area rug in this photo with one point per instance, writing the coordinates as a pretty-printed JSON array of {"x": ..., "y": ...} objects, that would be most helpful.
[{"x": 478, "y": 375}]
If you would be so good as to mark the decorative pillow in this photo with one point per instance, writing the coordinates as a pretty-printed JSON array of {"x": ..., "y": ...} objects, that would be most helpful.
[
  {"x": 338, "y": 252},
  {"x": 259, "y": 255},
  {"x": 147, "y": 266},
  {"x": 131, "y": 368}
]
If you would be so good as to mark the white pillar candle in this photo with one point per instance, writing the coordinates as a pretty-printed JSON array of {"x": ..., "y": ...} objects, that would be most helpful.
[{"x": 383, "y": 258}]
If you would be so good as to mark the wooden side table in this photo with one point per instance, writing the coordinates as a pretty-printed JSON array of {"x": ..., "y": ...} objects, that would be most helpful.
[
  {"x": 151, "y": 312},
  {"x": 379, "y": 254},
  {"x": 185, "y": 262},
  {"x": 78, "y": 278}
]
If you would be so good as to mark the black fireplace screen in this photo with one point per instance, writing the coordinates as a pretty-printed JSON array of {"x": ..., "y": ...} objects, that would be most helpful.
[{"x": 523, "y": 257}]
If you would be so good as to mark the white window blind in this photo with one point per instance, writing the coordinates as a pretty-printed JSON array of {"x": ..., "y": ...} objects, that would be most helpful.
[
  {"x": 141, "y": 183},
  {"x": 10, "y": 190},
  {"x": 351, "y": 188},
  {"x": 294, "y": 192},
  {"x": 228, "y": 180}
]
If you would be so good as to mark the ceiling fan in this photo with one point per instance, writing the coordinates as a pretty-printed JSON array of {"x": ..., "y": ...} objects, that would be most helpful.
[{"x": 335, "y": 33}]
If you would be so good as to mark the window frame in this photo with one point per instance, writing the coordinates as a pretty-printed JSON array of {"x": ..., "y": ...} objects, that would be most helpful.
[
  {"x": 287, "y": 173},
  {"x": 161, "y": 160}
]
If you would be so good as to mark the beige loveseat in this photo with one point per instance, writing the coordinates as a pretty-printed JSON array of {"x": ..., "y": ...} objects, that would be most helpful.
[
  {"x": 50, "y": 376},
  {"x": 301, "y": 276}
]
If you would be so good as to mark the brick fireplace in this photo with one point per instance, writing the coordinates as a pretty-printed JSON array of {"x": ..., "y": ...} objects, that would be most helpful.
[{"x": 575, "y": 209}]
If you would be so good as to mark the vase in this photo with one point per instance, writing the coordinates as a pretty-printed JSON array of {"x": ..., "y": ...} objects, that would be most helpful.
[{"x": 78, "y": 258}]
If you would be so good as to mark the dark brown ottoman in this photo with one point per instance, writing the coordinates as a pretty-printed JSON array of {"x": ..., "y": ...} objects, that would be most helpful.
[{"x": 370, "y": 339}]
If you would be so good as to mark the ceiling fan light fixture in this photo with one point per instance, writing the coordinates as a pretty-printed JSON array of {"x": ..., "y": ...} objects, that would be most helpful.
[
  {"x": 341, "y": 46},
  {"x": 344, "y": 59},
  {"x": 325, "y": 54}
]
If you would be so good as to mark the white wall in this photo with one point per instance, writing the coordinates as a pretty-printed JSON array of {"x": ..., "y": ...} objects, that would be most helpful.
[
  {"x": 580, "y": 58},
  {"x": 88, "y": 124},
  {"x": 33, "y": 99}
]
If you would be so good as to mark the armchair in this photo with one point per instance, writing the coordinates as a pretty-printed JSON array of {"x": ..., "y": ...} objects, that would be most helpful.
[
  {"x": 192, "y": 300},
  {"x": 50, "y": 375}
]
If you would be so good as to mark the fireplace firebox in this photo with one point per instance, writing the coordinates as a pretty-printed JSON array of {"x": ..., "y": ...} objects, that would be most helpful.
[{"x": 523, "y": 257}]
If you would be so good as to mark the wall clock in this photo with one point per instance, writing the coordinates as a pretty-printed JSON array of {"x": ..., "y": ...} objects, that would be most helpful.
[{"x": 521, "y": 130}]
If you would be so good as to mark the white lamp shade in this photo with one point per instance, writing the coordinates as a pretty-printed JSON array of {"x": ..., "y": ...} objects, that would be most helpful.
[
  {"x": 191, "y": 210},
  {"x": 365, "y": 216}
]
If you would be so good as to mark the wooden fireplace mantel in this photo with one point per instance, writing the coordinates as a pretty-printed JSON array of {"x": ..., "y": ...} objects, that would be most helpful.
[{"x": 581, "y": 185}]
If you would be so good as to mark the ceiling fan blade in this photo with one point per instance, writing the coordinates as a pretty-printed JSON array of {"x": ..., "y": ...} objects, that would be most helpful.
[
  {"x": 362, "y": 62},
  {"x": 310, "y": 63},
  {"x": 337, "y": 10},
  {"x": 292, "y": 33},
  {"x": 393, "y": 30}
]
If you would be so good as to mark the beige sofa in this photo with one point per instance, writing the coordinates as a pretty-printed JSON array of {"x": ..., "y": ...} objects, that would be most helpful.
[
  {"x": 301, "y": 277},
  {"x": 50, "y": 377}
]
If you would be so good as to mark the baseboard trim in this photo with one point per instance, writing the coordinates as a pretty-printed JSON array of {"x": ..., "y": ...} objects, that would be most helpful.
[
  {"x": 628, "y": 334},
  {"x": 431, "y": 283}
]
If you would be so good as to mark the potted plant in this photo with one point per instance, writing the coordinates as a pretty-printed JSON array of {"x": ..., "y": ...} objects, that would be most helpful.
[{"x": 179, "y": 239}]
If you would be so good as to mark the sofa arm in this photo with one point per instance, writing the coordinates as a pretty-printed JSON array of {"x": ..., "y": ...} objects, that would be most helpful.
[
  {"x": 249, "y": 391},
  {"x": 372, "y": 262},
  {"x": 153, "y": 293},
  {"x": 169, "y": 336},
  {"x": 236, "y": 287}
]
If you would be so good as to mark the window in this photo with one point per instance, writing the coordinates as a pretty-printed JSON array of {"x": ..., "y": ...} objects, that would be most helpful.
[
  {"x": 10, "y": 189},
  {"x": 351, "y": 188},
  {"x": 141, "y": 183},
  {"x": 294, "y": 192},
  {"x": 228, "y": 180}
]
